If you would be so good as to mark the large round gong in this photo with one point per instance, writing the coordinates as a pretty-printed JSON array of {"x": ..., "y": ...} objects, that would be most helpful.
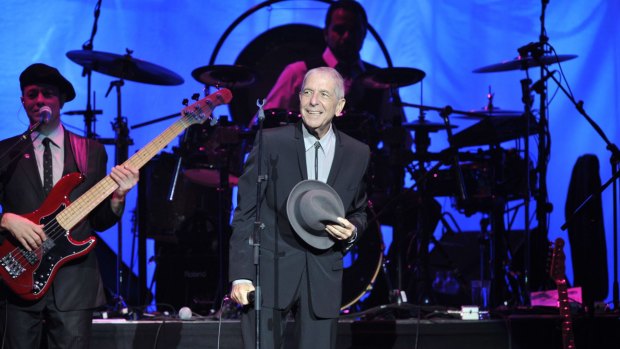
[{"x": 267, "y": 55}]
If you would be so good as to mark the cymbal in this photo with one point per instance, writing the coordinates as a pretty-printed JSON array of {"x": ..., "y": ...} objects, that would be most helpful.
[
  {"x": 522, "y": 63},
  {"x": 495, "y": 130},
  {"x": 229, "y": 76},
  {"x": 125, "y": 67},
  {"x": 391, "y": 77},
  {"x": 489, "y": 113},
  {"x": 424, "y": 125}
]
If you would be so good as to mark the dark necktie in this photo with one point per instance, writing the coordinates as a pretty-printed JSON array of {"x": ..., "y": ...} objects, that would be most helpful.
[
  {"x": 317, "y": 146},
  {"x": 48, "y": 174}
]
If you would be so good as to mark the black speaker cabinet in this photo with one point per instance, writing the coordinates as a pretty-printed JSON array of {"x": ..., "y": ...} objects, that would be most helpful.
[{"x": 185, "y": 276}]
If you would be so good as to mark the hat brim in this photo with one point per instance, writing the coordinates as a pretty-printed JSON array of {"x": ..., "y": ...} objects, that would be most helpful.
[{"x": 323, "y": 241}]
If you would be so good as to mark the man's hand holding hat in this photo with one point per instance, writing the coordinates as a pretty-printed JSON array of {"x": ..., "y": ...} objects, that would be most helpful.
[{"x": 343, "y": 231}]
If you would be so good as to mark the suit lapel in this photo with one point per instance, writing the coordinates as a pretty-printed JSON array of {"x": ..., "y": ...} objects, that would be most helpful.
[
  {"x": 338, "y": 158},
  {"x": 301, "y": 151},
  {"x": 79, "y": 146}
]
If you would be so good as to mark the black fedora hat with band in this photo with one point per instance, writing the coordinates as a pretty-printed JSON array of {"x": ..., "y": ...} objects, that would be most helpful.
[
  {"x": 310, "y": 206},
  {"x": 39, "y": 73}
]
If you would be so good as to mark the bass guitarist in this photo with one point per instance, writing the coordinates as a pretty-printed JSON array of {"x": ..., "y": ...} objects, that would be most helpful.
[{"x": 28, "y": 169}]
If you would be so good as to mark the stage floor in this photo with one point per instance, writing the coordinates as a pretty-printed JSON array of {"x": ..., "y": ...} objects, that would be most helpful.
[{"x": 510, "y": 332}]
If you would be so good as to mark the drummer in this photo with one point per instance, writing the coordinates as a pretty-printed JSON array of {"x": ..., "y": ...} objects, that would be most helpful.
[{"x": 345, "y": 28}]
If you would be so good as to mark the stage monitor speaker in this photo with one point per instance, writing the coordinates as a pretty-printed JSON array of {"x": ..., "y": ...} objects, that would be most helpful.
[{"x": 186, "y": 276}]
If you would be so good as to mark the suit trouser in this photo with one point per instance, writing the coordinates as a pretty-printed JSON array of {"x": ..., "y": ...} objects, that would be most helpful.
[
  {"x": 310, "y": 332},
  {"x": 64, "y": 329}
]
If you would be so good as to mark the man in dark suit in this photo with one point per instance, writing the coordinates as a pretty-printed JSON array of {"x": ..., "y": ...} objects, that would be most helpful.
[
  {"x": 28, "y": 169},
  {"x": 294, "y": 275}
]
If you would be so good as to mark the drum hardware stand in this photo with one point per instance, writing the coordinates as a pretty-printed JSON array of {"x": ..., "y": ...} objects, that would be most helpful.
[
  {"x": 89, "y": 113},
  {"x": 527, "y": 103},
  {"x": 177, "y": 167},
  {"x": 543, "y": 207},
  {"x": 422, "y": 142},
  {"x": 121, "y": 143},
  {"x": 121, "y": 153},
  {"x": 223, "y": 215}
]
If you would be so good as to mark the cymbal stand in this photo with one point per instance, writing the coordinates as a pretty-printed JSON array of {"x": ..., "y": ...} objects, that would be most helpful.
[
  {"x": 543, "y": 207},
  {"x": 121, "y": 153},
  {"x": 527, "y": 104},
  {"x": 422, "y": 142},
  {"x": 224, "y": 205},
  {"x": 89, "y": 113}
]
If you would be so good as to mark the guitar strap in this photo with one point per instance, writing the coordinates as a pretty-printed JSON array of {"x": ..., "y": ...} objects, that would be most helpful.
[{"x": 79, "y": 147}]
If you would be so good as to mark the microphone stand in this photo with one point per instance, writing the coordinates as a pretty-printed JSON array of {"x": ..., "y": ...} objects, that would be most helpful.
[
  {"x": 258, "y": 225},
  {"x": 614, "y": 160}
]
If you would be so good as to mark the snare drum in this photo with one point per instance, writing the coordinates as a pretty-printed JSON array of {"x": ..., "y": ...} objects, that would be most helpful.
[{"x": 211, "y": 150}]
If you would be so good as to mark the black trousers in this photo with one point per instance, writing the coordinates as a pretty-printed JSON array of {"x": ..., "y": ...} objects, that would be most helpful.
[
  {"x": 25, "y": 328},
  {"x": 310, "y": 332}
]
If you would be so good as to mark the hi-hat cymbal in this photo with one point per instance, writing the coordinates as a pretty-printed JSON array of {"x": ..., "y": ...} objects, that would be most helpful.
[
  {"x": 229, "y": 76},
  {"x": 391, "y": 77},
  {"x": 125, "y": 67},
  {"x": 523, "y": 63},
  {"x": 424, "y": 125},
  {"x": 489, "y": 113}
]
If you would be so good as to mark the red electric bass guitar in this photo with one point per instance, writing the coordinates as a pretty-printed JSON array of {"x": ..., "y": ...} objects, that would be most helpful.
[{"x": 29, "y": 274}]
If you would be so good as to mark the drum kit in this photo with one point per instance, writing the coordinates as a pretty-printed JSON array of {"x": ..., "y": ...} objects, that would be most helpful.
[{"x": 213, "y": 154}]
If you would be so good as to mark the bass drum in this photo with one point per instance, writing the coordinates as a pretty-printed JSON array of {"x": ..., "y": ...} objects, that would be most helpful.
[{"x": 362, "y": 262}]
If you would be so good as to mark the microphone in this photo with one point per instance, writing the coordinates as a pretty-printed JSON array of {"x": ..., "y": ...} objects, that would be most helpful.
[
  {"x": 185, "y": 313},
  {"x": 46, "y": 114},
  {"x": 540, "y": 84},
  {"x": 251, "y": 297}
]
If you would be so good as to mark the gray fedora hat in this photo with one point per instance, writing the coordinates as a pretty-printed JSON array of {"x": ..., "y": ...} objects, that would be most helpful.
[{"x": 310, "y": 206}]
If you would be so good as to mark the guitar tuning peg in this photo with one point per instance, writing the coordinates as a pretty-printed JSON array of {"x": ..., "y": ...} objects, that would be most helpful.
[
  {"x": 185, "y": 102},
  {"x": 196, "y": 96}
]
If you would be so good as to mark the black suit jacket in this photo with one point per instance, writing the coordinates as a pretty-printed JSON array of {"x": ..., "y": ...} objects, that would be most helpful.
[
  {"x": 283, "y": 253},
  {"x": 77, "y": 284}
]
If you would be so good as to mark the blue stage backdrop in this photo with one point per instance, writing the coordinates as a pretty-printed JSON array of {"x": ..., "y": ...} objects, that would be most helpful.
[{"x": 445, "y": 38}]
